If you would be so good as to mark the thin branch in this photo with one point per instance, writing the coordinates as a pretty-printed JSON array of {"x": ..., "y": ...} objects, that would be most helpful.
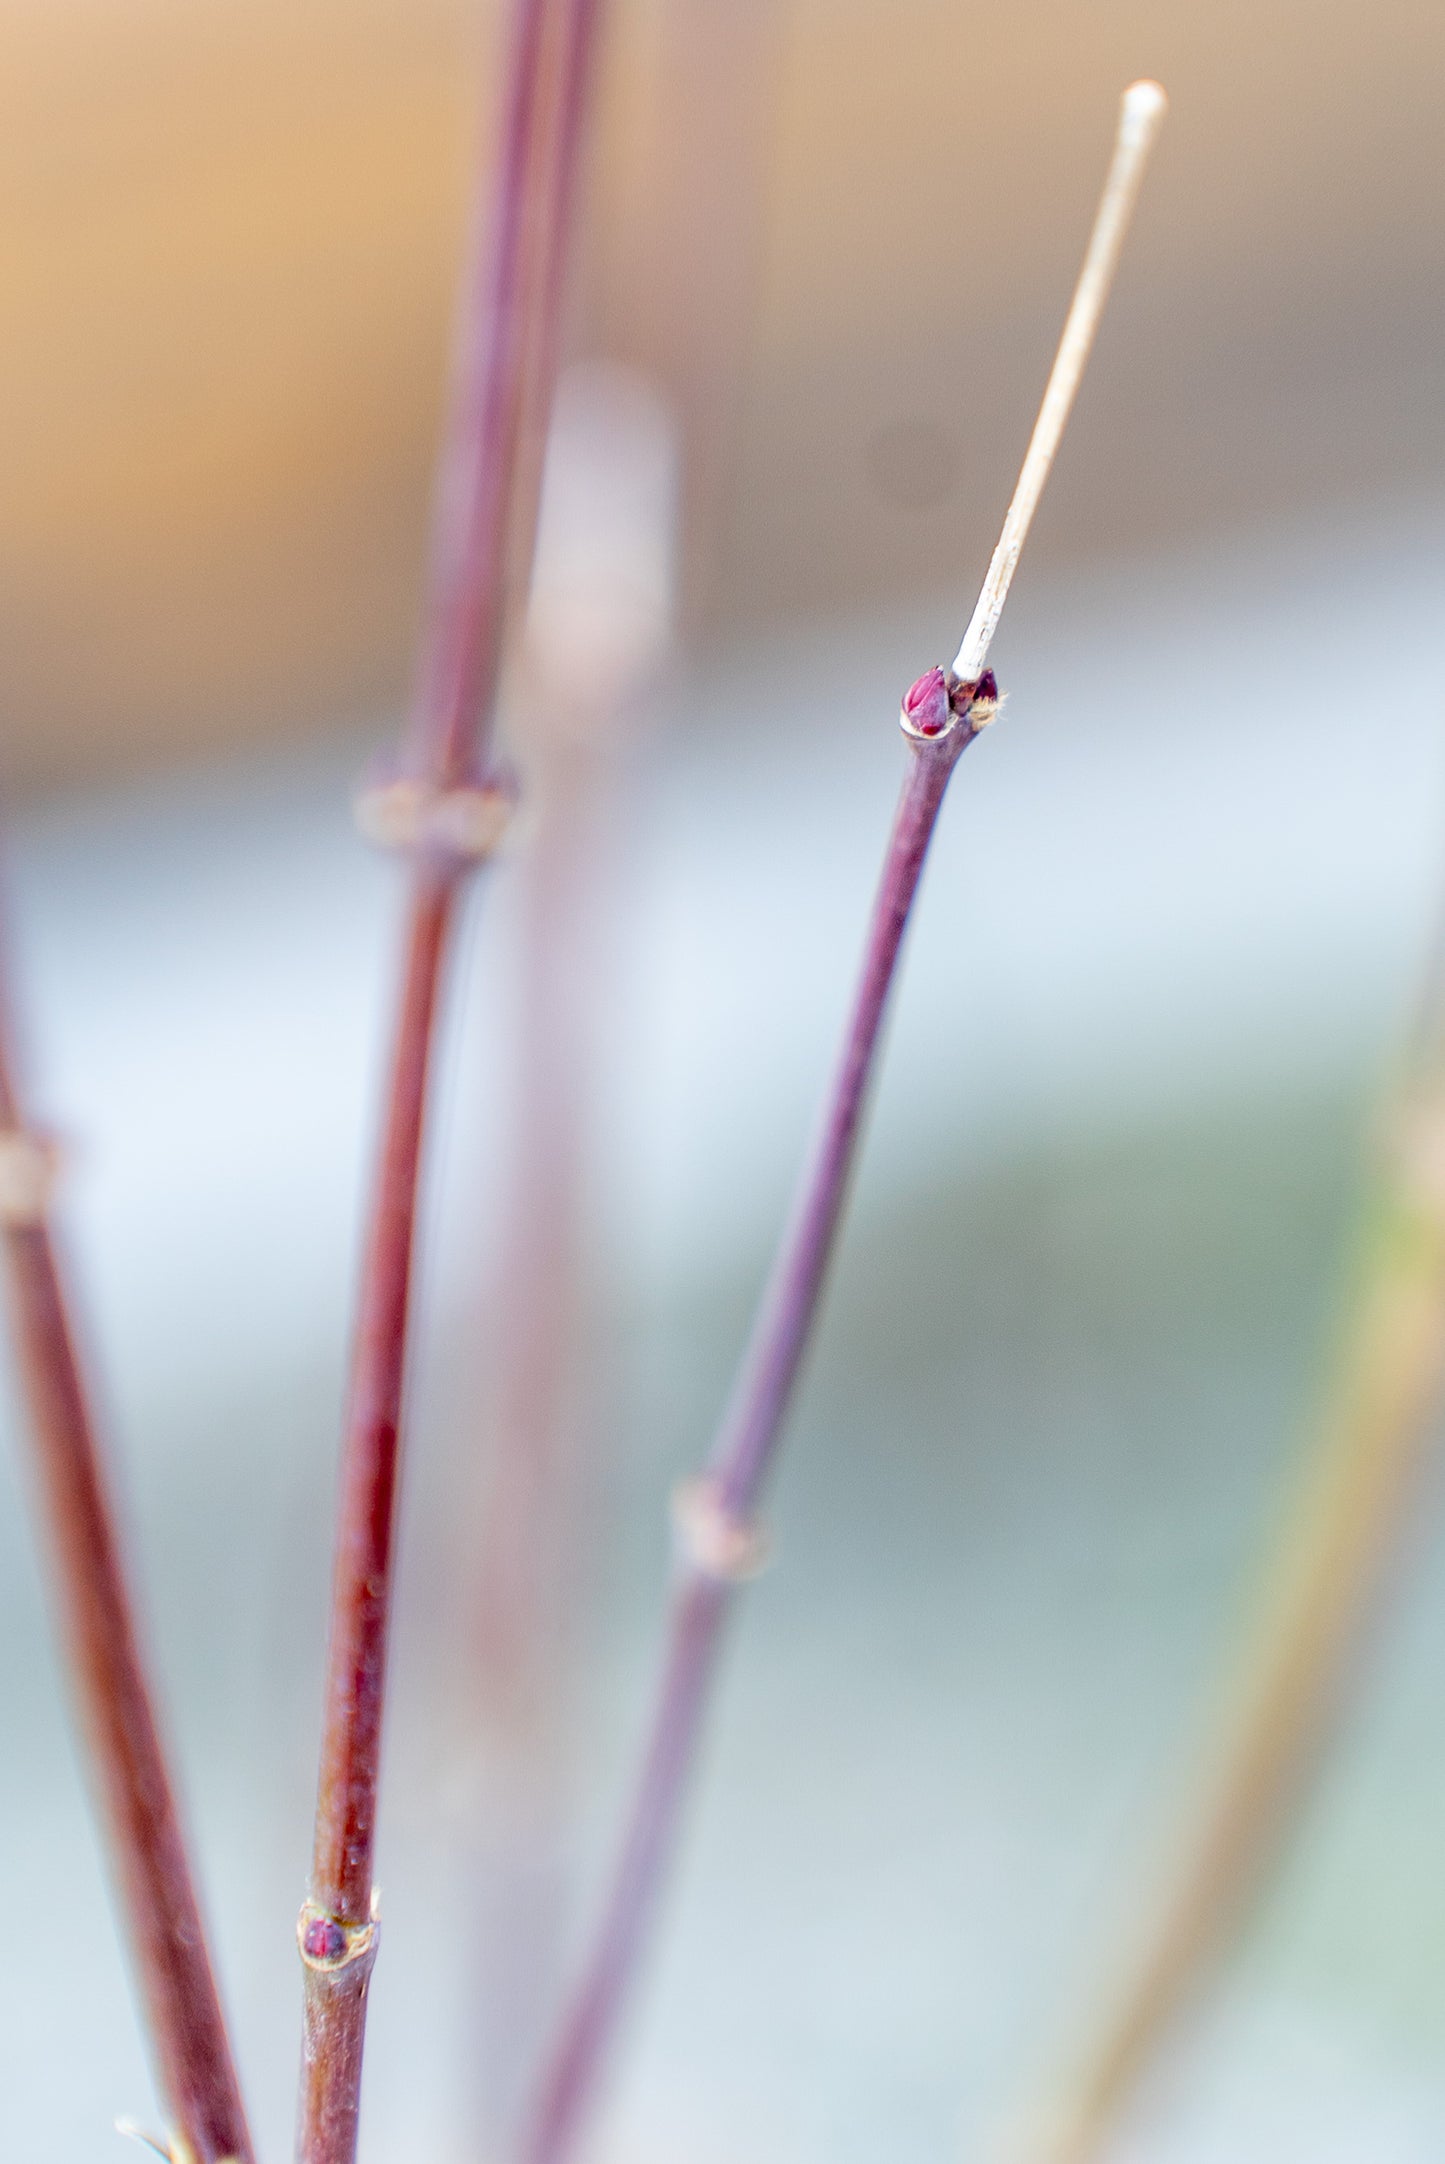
[
  {"x": 719, "y": 1544},
  {"x": 1140, "y": 120},
  {"x": 510, "y": 312},
  {"x": 168, "y": 1947},
  {"x": 446, "y": 812},
  {"x": 1333, "y": 1561}
]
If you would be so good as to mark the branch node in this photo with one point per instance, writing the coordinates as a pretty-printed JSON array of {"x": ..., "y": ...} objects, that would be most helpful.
[
  {"x": 711, "y": 1539},
  {"x": 329, "y": 1946},
  {"x": 466, "y": 824},
  {"x": 939, "y": 701},
  {"x": 981, "y": 701},
  {"x": 29, "y": 1166}
]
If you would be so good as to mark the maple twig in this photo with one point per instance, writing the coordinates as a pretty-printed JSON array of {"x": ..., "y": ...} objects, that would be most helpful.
[
  {"x": 127, "y": 1760},
  {"x": 719, "y": 1544},
  {"x": 446, "y": 811}
]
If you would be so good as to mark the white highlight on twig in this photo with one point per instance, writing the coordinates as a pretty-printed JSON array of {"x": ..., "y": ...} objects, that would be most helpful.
[
  {"x": 1140, "y": 113},
  {"x": 129, "y": 2131}
]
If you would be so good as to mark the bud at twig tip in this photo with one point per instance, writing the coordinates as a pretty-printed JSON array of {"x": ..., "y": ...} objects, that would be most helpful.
[
  {"x": 927, "y": 708},
  {"x": 938, "y": 699}
]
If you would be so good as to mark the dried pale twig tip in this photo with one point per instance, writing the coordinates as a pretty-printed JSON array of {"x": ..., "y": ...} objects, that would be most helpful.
[{"x": 1140, "y": 114}]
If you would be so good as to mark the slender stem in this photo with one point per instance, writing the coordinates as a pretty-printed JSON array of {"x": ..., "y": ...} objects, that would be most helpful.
[
  {"x": 507, "y": 353},
  {"x": 1334, "y": 1557},
  {"x": 338, "y": 1941},
  {"x": 167, "y": 1938},
  {"x": 751, "y": 1429},
  {"x": 515, "y": 283},
  {"x": 942, "y": 714},
  {"x": 1141, "y": 117},
  {"x": 749, "y": 1437}
]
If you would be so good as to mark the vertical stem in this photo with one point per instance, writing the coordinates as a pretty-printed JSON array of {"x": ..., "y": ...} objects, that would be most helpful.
[
  {"x": 168, "y": 1947},
  {"x": 506, "y": 355},
  {"x": 508, "y": 335},
  {"x": 337, "y": 1936},
  {"x": 747, "y": 1442}
]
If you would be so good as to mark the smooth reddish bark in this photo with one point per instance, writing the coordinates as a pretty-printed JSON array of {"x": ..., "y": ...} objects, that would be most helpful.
[
  {"x": 127, "y": 1761},
  {"x": 484, "y": 520}
]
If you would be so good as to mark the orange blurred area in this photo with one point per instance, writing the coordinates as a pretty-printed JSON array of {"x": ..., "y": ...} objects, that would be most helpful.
[{"x": 837, "y": 235}]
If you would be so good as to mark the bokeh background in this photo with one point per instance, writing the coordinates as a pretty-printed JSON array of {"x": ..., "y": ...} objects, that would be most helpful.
[{"x": 1168, "y": 945}]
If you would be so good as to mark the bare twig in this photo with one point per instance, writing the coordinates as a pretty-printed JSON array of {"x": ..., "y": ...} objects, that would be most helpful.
[
  {"x": 446, "y": 812},
  {"x": 1143, "y": 110},
  {"x": 168, "y": 1948},
  {"x": 1334, "y": 1557},
  {"x": 718, "y": 1543}
]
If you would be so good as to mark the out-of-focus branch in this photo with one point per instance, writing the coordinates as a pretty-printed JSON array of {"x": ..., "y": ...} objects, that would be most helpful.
[
  {"x": 1333, "y": 1561},
  {"x": 132, "y": 1781},
  {"x": 603, "y": 584}
]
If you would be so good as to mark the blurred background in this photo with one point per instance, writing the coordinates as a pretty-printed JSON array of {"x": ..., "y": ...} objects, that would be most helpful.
[{"x": 1167, "y": 948}]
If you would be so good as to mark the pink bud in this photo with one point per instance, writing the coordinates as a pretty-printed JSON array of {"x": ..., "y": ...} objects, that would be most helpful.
[
  {"x": 323, "y": 1939},
  {"x": 926, "y": 707}
]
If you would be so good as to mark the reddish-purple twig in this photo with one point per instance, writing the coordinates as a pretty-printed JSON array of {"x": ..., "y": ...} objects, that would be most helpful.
[
  {"x": 719, "y": 1545},
  {"x": 446, "y": 812},
  {"x": 168, "y": 1948}
]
